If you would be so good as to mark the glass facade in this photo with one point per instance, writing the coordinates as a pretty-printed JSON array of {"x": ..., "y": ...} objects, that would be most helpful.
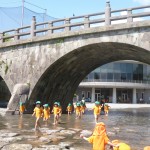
[
  {"x": 120, "y": 71},
  {"x": 123, "y": 71}
]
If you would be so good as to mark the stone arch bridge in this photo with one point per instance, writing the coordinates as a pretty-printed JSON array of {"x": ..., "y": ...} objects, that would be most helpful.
[{"x": 54, "y": 64}]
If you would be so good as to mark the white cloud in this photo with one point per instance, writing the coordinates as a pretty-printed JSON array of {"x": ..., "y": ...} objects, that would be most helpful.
[{"x": 145, "y": 2}]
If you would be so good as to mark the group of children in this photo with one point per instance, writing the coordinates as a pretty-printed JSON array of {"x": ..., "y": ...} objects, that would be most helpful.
[
  {"x": 79, "y": 109},
  {"x": 45, "y": 112},
  {"x": 99, "y": 138},
  {"x": 97, "y": 110}
]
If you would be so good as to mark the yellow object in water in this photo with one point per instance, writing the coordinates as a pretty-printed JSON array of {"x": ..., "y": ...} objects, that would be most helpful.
[
  {"x": 147, "y": 148},
  {"x": 122, "y": 146}
]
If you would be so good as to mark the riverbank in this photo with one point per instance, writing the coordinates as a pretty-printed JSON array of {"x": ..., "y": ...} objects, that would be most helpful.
[
  {"x": 112, "y": 105},
  {"x": 121, "y": 106}
]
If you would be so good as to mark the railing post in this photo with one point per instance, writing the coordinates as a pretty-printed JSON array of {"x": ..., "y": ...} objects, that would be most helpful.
[
  {"x": 86, "y": 22},
  {"x": 67, "y": 23},
  {"x": 33, "y": 27},
  {"x": 1, "y": 37},
  {"x": 16, "y": 37},
  {"x": 50, "y": 25},
  {"x": 129, "y": 16},
  {"x": 107, "y": 14}
]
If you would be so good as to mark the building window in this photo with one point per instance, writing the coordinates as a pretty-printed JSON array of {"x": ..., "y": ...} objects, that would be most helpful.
[
  {"x": 96, "y": 75},
  {"x": 83, "y": 94},
  {"x": 142, "y": 95},
  {"x": 110, "y": 76},
  {"x": 88, "y": 94}
]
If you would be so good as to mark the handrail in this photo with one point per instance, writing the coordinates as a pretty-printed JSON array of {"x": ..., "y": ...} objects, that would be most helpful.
[{"x": 67, "y": 24}]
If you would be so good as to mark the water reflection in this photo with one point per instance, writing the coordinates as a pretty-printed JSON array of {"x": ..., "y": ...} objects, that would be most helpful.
[
  {"x": 20, "y": 122},
  {"x": 129, "y": 125}
]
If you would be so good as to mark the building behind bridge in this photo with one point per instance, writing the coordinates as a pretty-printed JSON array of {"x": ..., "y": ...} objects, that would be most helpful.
[{"x": 117, "y": 82}]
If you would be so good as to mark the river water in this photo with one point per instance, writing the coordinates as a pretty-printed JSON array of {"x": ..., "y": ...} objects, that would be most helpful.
[{"x": 128, "y": 125}]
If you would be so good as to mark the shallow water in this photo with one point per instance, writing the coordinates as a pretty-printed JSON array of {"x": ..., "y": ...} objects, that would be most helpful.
[{"x": 129, "y": 125}]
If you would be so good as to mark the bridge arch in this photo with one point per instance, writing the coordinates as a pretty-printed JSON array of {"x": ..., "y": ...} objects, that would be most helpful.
[
  {"x": 4, "y": 93},
  {"x": 61, "y": 79}
]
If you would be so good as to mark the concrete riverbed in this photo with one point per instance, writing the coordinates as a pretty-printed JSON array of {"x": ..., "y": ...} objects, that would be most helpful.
[{"x": 130, "y": 125}]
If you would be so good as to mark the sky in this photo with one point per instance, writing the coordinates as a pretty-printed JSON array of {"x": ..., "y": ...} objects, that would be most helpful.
[{"x": 66, "y": 8}]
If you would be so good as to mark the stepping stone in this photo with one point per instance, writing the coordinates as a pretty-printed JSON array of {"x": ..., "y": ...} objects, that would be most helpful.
[
  {"x": 37, "y": 148},
  {"x": 10, "y": 139},
  {"x": 18, "y": 147},
  {"x": 66, "y": 144},
  {"x": 74, "y": 129},
  {"x": 51, "y": 131},
  {"x": 67, "y": 132},
  {"x": 51, "y": 147},
  {"x": 86, "y": 132},
  {"x": 29, "y": 137},
  {"x": 2, "y": 144},
  {"x": 55, "y": 138},
  {"x": 44, "y": 140},
  {"x": 8, "y": 134}
]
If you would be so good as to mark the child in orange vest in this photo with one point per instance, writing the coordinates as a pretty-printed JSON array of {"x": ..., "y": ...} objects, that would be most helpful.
[
  {"x": 38, "y": 112},
  {"x": 99, "y": 137},
  {"x": 60, "y": 109},
  {"x": 106, "y": 109},
  {"x": 46, "y": 112},
  {"x": 78, "y": 110},
  {"x": 97, "y": 110},
  {"x": 83, "y": 107},
  {"x": 69, "y": 108},
  {"x": 21, "y": 108},
  {"x": 56, "y": 112}
]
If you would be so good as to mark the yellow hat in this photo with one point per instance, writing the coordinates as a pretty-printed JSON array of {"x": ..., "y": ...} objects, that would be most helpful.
[
  {"x": 122, "y": 146},
  {"x": 147, "y": 148}
]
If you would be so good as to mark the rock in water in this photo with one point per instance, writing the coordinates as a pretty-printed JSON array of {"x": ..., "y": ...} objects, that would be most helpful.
[
  {"x": 18, "y": 147},
  {"x": 44, "y": 139},
  {"x": 2, "y": 144},
  {"x": 65, "y": 144},
  {"x": 86, "y": 132},
  {"x": 51, "y": 147},
  {"x": 8, "y": 134}
]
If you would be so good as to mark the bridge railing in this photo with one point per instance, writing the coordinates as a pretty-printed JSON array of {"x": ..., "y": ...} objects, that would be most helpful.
[{"x": 76, "y": 23}]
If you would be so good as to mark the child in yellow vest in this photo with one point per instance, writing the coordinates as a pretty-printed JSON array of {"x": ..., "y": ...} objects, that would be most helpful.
[
  {"x": 106, "y": 109},
  {"x": 69, "y": 108},
  {"x": 83, "y": 107},
  {"x": 78, "y": 110},
  {"x": 120, "y": 145},
  {"x": 56, "y": 112},
  {"x": 97, "y": 110},
  {"x": 99, "y": 138},
  {"x": 21, "y": 108},
  {"x": 147, "y": 148},
  {"x": 38, "y": 112},
  {"x": 60, "y": 109},
  {"x": 46, "y": 112}
]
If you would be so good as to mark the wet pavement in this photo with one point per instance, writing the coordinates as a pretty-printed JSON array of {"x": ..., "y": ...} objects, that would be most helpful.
[{"x": 128, "y": 125}]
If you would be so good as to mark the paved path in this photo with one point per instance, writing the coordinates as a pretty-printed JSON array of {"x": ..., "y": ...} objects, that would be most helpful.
[{"x": 122, "y": 106}]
